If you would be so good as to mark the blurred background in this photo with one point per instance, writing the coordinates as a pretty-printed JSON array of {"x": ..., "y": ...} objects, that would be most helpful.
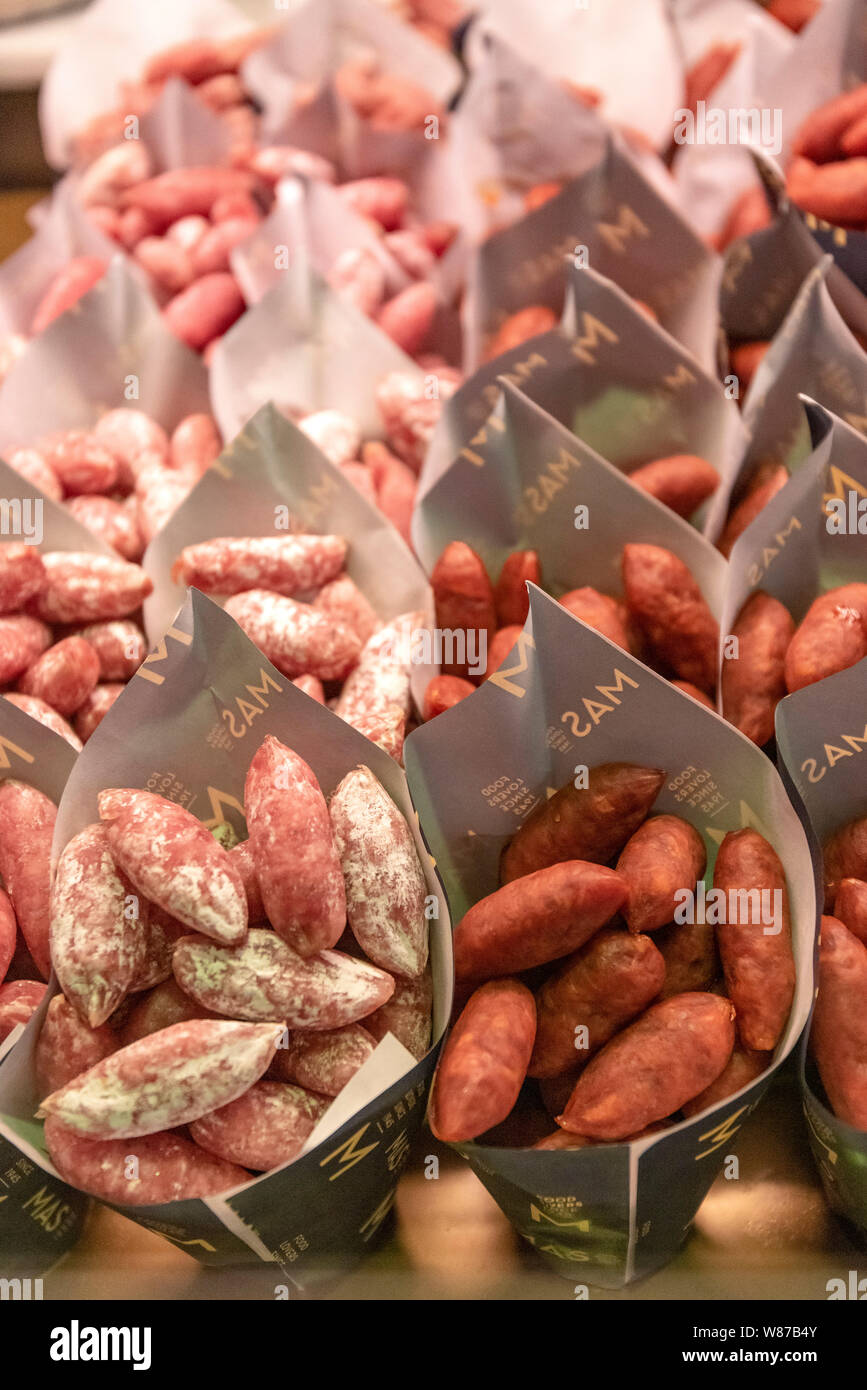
[{"x": 31, "y": 32}]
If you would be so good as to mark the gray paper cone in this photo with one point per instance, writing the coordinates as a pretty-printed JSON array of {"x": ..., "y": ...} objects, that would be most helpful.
[
  {"x": 611, "y": 1214},
  {"x": 187, "y": 726}
]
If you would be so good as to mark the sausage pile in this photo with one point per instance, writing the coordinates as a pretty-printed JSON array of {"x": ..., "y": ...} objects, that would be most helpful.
[
  {"x": 663, "y": 617},
  {"x": 233, "y": 988},
  {"x": 332, "y": 638},
  {"x": 125, "y": 477},
  {"x": 776, "y": 658},
  {"x": 67, "y": 641},
  {"x": 583, "y": 979}
]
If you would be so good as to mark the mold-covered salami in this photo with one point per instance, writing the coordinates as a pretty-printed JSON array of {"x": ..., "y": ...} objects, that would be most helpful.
[
  {"x": 325, "y": 1061},
  {"x": 68, "y": 1046},
  {"x": 242, "y": 857},
  {"x": 159, "y": 1008},
  {"x": 63, "y": 676},
  {"x": 8, "y": 933},
  {"x": 407, "y": 1015},
  {"x": 97, "y": 927},
  {"x": 296, "y": 637},
  {"x": 22, "y": 639},
  {"x": 19, "y": 1000},
  {"x": 286, "y": 565},
  {"x": 97, "y": 705},
  {"x": 22, "y": 575},
  {"x": 345, "y": 602},
  {"x": 385, "y": 887},
  {"x": 265, "y": 979},
  {"x": 167, "y": 1168},
  {"x": 173, "y": 860},
  {"x": 44, "y": 714},
  {"x": 263, "y": 1128},
  {"x": 120, "y": 648},
  {"x": 165, "y": 1079},
  {"x": 87, "y": 588},
  {"x": 293, "y": 849}
]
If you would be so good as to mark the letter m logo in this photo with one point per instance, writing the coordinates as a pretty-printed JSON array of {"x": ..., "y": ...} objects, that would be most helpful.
[
  {"x": 570, "y": 1223},
  {"x": 176, "y": 1240},
  {"x": 617, "y": 234},
  {"x": 6, "y": 747},
  {"x": 721, "y": 1134},
  {"x": 591, "y": 332},
  {"x": 349, "y": 1153},
  {"x": 501, "y": 678},
  {"x": 219, "y": 802},
  {"x": 841, "y": 483},
  {"x": 681, "y": 376},
  {"x": 160, "y": 653}
]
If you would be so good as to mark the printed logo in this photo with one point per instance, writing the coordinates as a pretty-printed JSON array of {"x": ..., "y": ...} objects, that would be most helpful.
[
  {"x": 160, "y": 653},
  {"x": 348, "y": 1153},
  {"x": 502, "y": 678},
  {"x": 722, "y": 1133}
]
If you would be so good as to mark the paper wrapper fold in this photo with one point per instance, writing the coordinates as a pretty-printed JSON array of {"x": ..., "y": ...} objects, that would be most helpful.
[
  {"x": 813, "y": 353},
  {"x": 304, "y": 348},
  {"x": 775, "y": 72},
  {"x": 65, "y": 231},
  {"x": 110, "y": 349},
  {"x": 764, "y": 272},
  {"x": 616, "y": 219},
  {"x": 820, "y": 730},
  {"x": 788, "y": 551},
  {"x": 181, "y": 132},
  {"x": 520, "y": 488},
  {"x": 309, "y": 48},
  {"x": 613, "y": 378},
  {"x": 311, "y": 225},
  {"x": 514, "y": 127},
  {"x": 111, "y": 44},
  {"x": 627, "y": 53},
  {"x": 272, "y": 472}
]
